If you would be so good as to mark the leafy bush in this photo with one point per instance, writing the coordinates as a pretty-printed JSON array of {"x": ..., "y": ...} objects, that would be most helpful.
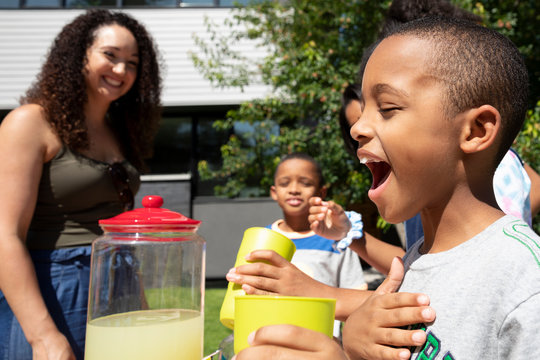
[{"x": 315, "y": 49}]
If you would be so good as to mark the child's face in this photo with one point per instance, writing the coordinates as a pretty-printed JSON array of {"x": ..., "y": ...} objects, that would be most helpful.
[
  {"x": 404, "y": 138},
  {"x": 295, "y": 182},
  {"x": 353, "y": 112}
]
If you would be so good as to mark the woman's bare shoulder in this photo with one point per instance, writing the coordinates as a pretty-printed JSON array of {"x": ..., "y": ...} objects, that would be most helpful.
[{"x": 27, "y": 125}]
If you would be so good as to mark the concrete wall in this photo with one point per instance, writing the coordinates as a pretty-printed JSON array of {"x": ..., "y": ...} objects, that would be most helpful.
[
  {"x": 174, "y": 189},
  {"x": 223, "y": 220},
  {"x": 223, "y": 224}
]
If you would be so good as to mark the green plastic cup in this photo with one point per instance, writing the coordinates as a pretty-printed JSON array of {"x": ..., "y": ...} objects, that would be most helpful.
[
  {"x": 255, "y": 311},
  {"x": 255, "y": 238}
]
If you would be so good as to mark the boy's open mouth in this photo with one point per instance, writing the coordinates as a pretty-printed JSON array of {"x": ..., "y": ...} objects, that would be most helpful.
[{"x": 380, "y": 171}]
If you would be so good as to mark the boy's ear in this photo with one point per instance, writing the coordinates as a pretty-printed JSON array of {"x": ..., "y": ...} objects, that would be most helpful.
[
  {"x": 273, "y": 193},
  {"x": 480, "y": 128}
]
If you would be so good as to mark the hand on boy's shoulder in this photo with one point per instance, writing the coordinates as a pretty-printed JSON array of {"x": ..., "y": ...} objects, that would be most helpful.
[{"x": 328, "y": 219}]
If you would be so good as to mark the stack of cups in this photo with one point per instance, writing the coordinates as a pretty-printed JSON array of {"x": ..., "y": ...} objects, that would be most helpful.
[
  {"x": 246, "y": 313},
  {"x": 255, "y": 238}
]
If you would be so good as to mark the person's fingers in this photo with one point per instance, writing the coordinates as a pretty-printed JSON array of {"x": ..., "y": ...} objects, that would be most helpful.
[
  {"x": 269, "y": 256},
  {"x": 385, "y": 344},
  {"x": 286, "y": 335},
  {"x": 393, "y": 280},
  {"x": 260, "y": 283},
  {"x": 317, "y": 213},
  {"x": 292, "y": 337},
  {"x": 272, "y": 352},
  {"x": 256, "y": 269},
  {"x": 408, "y": 315},
  {"x": 250, "y": 290},
  {"x": 400, "y": 300},
  {"x": 385, "y": 353},
  {"x": 315, "y": 200},
  {"x": 334, "y": 207},
  {"x": 314, "y": 224}
]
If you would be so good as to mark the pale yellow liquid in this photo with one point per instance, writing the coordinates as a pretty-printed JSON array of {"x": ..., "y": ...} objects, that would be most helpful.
[{"x": 144, "y": 335}]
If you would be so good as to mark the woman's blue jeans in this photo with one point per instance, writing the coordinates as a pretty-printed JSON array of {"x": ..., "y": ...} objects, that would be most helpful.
[{"x": 63, "y": 277}]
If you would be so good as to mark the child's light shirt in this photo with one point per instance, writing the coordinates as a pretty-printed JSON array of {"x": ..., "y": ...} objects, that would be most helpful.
[
  {"x": 319, "y": 258},
  {"x": 486, "y": 293},
  {"x": 512, "y": 187}
]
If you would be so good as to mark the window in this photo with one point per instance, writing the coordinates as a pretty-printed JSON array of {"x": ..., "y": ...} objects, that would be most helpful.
[
  {"x": 10, "y": 4},
  {"x": 89, "y": 3},
  {"x": 188, "y": 3},
  {"x": 151, "y": 3},
  {"x": 172, "y": 147},
  {"x": 231, "y": 3},
  {"x": 55, "y": 4},
  {"x": 42, "y": 3},
  {"x": 178, "y": 148}
]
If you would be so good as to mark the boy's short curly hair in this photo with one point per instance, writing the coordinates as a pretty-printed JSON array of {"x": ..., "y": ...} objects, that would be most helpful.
[
  {"x": 60, "y": 87},
  {"x": 306, "y": 157},
  {"x": 476, "y": 66}
]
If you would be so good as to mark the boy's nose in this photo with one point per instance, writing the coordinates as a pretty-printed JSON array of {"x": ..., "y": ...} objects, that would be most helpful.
[
  {"x": 293, "y": 189},
  {"x": 361, "y": 131}
]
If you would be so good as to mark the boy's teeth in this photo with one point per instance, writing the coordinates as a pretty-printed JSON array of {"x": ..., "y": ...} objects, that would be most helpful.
[{"x": 365, "y": 160}]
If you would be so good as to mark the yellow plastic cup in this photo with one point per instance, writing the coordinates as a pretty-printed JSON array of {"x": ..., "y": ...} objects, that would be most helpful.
[
  {"x": 255, "y": 238},
  {"x": 255, "y": 311}
]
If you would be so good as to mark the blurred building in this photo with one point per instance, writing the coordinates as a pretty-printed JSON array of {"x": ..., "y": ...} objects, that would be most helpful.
[{"x": 191, "y": 104}]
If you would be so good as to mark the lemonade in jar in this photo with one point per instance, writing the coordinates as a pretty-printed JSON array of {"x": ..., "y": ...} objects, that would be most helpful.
[
  {"x": 146, "y": 295},
  {"x": 143, "y": 335}
]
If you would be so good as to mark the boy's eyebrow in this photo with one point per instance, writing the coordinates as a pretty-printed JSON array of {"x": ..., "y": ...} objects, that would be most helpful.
[{"x": 385, "y": 88}]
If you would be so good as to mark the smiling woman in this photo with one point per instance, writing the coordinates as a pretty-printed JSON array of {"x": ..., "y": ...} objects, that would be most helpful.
[
  {"x": 112, "y": 62},
  {"x": 79, "y": 140}
]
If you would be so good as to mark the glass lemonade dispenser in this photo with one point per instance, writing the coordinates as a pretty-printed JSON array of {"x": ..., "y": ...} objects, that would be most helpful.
[{"x": 147, "y": 287}]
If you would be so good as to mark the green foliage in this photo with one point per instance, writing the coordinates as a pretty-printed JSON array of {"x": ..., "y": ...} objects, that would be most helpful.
[
  {"x": 315, "y": 50},
  {"x": 519, "y": 21},
  {"x": 316, "y": 47},
  {"x": 214, "y": 331}
]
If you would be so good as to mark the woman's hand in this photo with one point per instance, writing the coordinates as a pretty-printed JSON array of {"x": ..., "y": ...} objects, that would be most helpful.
[
  {"x": 52, "y": 346},
  {"x": 328, "y": 219},
  {"x": 372, "y": 331},
  {"x": 289, "y": 342}
]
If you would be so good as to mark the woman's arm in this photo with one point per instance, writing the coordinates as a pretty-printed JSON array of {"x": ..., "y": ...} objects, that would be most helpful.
[
  {"x": 26, "y": 142},
  {"x": 375, "y": 252}
]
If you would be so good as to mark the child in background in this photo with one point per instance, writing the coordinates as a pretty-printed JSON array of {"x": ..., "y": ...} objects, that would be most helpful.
[
  {"x": 297, "y": 178},
  {"x": 442, "y": 102}
]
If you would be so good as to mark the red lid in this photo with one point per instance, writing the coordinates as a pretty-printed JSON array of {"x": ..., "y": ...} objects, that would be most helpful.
[{"x": 150, "y": 218}]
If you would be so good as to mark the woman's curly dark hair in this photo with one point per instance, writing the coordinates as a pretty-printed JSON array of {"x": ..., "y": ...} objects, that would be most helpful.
[{"x": 60, "y": 87}]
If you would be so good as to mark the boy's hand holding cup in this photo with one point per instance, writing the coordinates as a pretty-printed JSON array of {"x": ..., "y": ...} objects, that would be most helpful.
[
  {"x": 247, "y": 313},
  {"x": 255, "y": 238}
]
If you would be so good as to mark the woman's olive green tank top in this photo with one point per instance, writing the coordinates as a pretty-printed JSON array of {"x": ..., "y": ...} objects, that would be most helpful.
[{"x": 74, "y": 193}]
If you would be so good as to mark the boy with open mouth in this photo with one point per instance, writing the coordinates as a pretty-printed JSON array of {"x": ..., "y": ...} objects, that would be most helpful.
[{"x": 442, "y": 102}]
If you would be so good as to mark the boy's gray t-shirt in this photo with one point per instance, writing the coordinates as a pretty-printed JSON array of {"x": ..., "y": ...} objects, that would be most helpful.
[{"x": 485, "y": 292}]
